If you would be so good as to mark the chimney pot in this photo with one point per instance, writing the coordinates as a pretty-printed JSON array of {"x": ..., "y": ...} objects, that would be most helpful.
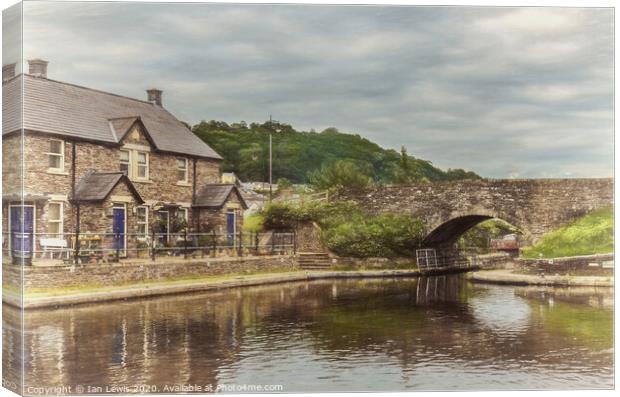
[
  {"x": 8, "y": 72},
  {"x": 154, "y": 96},
  {"x": 37, "y": 68}
]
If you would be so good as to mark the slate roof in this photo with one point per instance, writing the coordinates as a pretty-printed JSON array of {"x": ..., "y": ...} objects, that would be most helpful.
[
  {"x": 97, "y": 186},
  {"x": 69, "y": 110},
  {"x": 215, "y": 196}
]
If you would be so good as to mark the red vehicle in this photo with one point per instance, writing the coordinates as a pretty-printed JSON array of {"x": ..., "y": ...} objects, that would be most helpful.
[{"x": 508, "y": 243}]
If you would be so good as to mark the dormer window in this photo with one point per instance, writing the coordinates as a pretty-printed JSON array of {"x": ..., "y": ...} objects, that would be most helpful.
[
  {"x": 182, "y": 169},
  {"x": 56, "y": 155}
]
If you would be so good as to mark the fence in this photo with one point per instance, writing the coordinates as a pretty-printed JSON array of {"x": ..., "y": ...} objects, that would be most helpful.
[
  {"x": 429, "y": 258},
  {"x": 95, "y": 247}
]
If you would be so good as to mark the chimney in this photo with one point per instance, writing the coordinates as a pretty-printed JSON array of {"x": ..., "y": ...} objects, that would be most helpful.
[
  {"x": 8, "y": 72},
  {"x": 154, "y": 96},
  {"x": 37, "y": 68}
]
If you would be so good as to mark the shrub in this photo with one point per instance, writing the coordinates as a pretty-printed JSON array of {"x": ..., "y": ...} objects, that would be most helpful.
[
  {"x": 342, "y": 174},
  {"x": 253, "y": 223},
  {"x": 375, "y": 236}
]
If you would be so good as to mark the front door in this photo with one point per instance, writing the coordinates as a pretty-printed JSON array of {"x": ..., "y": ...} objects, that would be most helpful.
[
  {"x": 231, "y": 226},
  {"x": 119, "y": 228},
  {"x": 164, "y": 226},
  {"x": 22, "y": 229}
]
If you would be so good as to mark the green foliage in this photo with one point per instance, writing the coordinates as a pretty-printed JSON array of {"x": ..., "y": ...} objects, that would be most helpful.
[
  {"x": 284, "y": 183},
  {"x": 278, "y": 216},
  {"x": 342, "y": 174},
  {"x": 480, "y": 235},
  {"x": 253, "y": 223},
  {"x": 590, "y": 234},
  {"x": 347, "y": 231},
  {"x": 375, "y": 236},
  {"x": 297, "y": 154},
  {"x": 407, "y": 172}
]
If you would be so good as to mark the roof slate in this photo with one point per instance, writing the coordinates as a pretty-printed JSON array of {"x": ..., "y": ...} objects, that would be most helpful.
[
  {"x": 68, "y": 110},
  {"x": 97, "y": 186},
  {"x": 215, "y": 196}
]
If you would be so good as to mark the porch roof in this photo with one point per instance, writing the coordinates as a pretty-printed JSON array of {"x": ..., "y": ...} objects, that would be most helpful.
[
  {"x": 216, "y": 195},
  {"x": 97, "y": 186}
]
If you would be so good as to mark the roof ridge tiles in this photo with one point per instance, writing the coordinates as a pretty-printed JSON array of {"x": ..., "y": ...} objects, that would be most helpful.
[{"x": 87, "y": 88}]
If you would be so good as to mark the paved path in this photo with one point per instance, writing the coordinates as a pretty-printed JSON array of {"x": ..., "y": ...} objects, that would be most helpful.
[
  {"x": 62, "y": 297},
  {"x": 506, "y": 276}
]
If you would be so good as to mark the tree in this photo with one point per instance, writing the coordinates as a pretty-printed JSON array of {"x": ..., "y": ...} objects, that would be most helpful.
[
  {"x": 342, "y": 174},
  {"x": 406, "y": 172}
]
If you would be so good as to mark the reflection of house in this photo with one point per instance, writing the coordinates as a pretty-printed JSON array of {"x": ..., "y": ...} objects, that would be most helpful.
[{"x": 123, "y": 162}]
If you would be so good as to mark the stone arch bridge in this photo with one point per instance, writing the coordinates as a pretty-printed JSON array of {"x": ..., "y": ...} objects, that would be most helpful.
[{"x": 449, "y": 209}]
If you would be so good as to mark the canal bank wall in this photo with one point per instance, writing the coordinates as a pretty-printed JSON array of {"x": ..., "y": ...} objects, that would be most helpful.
[
  {"x": 599, "y": 264},
  {"x": 66, "y": 276},
  {"x": 107, "y": 294}
]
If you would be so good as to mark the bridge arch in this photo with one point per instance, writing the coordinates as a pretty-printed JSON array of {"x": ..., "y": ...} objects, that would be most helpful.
[{"x": 446, "y": 232}]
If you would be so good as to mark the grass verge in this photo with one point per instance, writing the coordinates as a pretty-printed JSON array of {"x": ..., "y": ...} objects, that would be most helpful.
[{"x": 590, "y": 234}]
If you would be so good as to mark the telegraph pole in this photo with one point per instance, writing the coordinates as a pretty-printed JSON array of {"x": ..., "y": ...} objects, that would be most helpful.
[{"x": 270, "y": 161}]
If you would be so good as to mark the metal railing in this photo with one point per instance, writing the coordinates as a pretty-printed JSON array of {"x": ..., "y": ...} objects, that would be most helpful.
[
  {"x": 95, "y": 247},
  {"x": 430, "y": 259}
]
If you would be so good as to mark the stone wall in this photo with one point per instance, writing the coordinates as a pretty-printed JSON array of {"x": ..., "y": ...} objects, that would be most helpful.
[
  {"x": 42, "y": 277},
  {"x": 495, "y": 260},
  {"x": 536, "y": 206},
  {"x": 594, "y": 264},
  {"x": 308, "y": 236}
]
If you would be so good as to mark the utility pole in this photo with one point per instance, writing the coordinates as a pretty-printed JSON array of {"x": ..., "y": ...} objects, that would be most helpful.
[{"x": 270, "y": 161}]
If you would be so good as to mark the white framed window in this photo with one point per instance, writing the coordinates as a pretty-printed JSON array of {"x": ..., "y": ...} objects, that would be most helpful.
[
  {"x": 142, "y": 220},
  {"x": 125, "y": 161},
  {"x": 142, "y": 165},
  {"x": 182, "y": 166},
  {"x": 56, "y": 155},
  {"x": 182, "y": 213},
  {"x": 55, "y": 219}
]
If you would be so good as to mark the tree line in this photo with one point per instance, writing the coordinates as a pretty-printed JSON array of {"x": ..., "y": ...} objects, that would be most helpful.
[{"x": 324, "y": 159}]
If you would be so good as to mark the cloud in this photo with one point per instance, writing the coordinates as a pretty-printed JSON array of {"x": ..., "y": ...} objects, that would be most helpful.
[{"x": 501, "y": 91}]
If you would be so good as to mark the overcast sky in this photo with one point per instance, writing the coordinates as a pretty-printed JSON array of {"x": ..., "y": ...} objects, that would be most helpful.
[{"x": 506, "y": 92}]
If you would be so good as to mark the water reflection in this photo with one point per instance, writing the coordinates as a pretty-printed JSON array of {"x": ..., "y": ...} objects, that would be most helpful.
[{"x": 401, "y": 334}]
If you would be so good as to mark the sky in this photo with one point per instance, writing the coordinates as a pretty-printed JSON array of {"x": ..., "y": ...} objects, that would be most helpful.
[{"x": 505, "y": 92}]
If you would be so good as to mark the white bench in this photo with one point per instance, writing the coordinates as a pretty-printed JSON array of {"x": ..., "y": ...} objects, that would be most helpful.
[{"x": 54, "y": 245}]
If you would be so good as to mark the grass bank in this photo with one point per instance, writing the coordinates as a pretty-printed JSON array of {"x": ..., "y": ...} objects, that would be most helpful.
[{"x": 590, "y": 234}]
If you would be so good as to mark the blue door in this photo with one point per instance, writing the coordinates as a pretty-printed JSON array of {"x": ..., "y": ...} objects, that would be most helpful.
[
  {"x": 118, "y": 228},
  {"x": 22, "y": 229},
  {"x": 230, "y": 227}
]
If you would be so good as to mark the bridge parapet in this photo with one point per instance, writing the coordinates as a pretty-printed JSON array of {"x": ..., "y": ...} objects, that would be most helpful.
[{"x": 448, "y": 209}]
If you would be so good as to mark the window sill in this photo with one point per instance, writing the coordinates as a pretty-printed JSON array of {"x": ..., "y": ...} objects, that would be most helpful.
[
  {"x": 186, "y": 184},
  {"x": 141, "y": 180},
  {"x": 56, "y": 172}
]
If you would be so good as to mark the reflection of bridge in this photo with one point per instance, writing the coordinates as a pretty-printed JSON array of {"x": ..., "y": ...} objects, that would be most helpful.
[{"x": 449, "y": 209}]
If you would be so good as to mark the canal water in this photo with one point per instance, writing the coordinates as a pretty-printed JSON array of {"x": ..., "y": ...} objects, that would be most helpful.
[{"x": 436, "y": 333}]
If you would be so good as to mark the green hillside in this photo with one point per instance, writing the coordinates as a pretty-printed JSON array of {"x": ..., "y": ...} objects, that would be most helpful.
[
  {"x": 591, "y": 234},
  {"x": 296, "y": 154}
]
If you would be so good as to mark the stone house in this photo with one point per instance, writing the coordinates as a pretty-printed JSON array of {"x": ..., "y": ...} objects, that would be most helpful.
[{"x": 86, "y": 161}]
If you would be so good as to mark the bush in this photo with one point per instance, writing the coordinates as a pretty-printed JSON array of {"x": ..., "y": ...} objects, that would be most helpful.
[
  {"x": 375, "y": 236},
  {"x": 253, "y": 223},
  {"x": 348, "y": 231},
  {"x": 342, "y": 174}
]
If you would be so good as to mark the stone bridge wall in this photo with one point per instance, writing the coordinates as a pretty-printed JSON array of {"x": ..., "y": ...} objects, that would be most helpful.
[{"x": 535, "y": 206}]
